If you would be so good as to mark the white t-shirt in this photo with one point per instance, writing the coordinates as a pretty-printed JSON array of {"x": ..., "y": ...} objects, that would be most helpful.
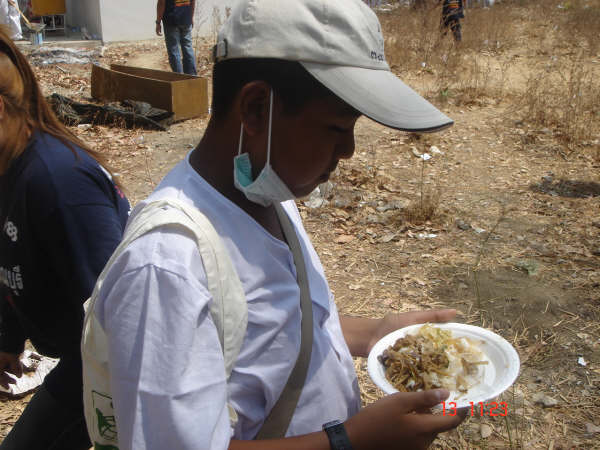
[{"x": 166, "y": 365}]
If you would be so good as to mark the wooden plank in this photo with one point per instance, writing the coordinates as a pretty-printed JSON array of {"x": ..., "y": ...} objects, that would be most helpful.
[
  {"x": 113, "y": 86},
  {"x": 152, "y": 73},
  {"x": 184, "y": 95},
  {"x": 190, "y": 97}
]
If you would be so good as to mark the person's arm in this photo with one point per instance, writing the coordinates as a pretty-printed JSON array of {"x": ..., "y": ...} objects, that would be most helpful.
[
  {"x": 361, "y": 333},
  {"x": 160, "y": 12},
  {"x": 193, "y": 5},
  {"x": 166, "y": 366},
  {"x": 312, "y": 441},
  {"x": 85, "y": 229},
  {"x": 390, "y": 420},
  {"x": 386, "y": 424}
]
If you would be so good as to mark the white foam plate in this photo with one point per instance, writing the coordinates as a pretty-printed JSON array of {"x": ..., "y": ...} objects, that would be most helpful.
[{"x": 498, "y": 375}]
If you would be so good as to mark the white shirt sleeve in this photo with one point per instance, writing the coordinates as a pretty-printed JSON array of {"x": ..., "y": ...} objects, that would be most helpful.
[{"x": 166, "y": 366}]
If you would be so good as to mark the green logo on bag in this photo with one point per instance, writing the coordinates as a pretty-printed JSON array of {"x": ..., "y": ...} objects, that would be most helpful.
[
  {"x": 105, "y": 416},
  {"x": 104, "y": 447}
]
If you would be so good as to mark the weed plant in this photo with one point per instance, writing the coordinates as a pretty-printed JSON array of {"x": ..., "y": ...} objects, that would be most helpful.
[{"x": 535, "y": 55}]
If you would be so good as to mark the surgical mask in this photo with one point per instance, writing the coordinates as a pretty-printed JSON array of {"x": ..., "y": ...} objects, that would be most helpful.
[{"x": 268, "y": 188}]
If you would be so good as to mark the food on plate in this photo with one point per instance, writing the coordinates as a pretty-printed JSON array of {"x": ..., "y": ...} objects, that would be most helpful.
[{"x": 433, "y": 358}]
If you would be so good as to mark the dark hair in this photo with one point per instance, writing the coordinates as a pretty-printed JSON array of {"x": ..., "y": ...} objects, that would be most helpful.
[
  {"x": 26, "y": 106},
  {"x": 289, "y": 79}
]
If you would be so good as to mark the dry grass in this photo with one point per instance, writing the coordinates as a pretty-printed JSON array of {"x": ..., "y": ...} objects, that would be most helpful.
[
  {"x": 561, "y": 87},
  {"x": 565, "y": 98},
  {"x": 422, "y": 210},
  {"x": 537, "y": 63}
]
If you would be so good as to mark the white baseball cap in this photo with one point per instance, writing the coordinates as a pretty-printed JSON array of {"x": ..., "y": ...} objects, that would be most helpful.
[{"x": 340, "y": 43}]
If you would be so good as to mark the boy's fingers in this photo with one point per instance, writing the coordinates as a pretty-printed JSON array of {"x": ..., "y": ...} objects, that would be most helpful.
[
  {"x": 439, "y": 423},
  {"x": 416, "y": 401},
  {"x": 433, "y": 316}
]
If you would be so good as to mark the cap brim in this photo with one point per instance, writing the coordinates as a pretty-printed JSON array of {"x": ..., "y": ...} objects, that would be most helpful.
[{"x": 381, "y": 96}]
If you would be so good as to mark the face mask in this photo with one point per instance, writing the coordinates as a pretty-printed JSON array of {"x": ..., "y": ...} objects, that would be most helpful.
[{"x": 268, "y": 188}]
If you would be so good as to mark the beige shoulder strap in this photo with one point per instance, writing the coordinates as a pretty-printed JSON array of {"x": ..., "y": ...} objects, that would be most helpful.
[
  {"x": 228, "y": 310},
  {"x": 278, "y": 420}
]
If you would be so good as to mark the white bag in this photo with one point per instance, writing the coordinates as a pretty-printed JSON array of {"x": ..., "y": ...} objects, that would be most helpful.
[{"x": 228, "y": 310}]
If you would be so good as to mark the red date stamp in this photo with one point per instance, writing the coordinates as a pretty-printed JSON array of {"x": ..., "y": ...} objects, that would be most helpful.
[{"x": 491, "y": 409}]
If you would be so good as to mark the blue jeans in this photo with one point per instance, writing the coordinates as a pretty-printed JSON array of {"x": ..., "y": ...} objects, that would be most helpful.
[{"x": 177, "y": 36}]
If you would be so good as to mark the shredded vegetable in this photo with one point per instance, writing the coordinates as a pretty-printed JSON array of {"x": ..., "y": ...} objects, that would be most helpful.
[{"x": 433, "y": 358}]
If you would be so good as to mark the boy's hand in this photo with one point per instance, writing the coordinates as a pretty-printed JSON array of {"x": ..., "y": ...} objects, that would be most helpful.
[
  {"x": 362, "y": 333},
  {"x": 394, "y": 421},
  {"x": 158, "y": 29},
  {"x": 11, "y": 363},
  {"x": 393, "y": 322}
]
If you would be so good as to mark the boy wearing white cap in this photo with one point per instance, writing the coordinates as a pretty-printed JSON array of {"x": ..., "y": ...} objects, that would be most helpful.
[{"x": 290, "y": 80}]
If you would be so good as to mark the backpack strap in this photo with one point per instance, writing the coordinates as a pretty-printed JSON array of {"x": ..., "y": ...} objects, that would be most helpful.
[
  {"x": 278, "y": 420},
  {"x": 228, "y": 308}
]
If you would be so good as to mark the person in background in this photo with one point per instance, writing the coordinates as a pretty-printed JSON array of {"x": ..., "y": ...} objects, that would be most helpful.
[
  {"x": 452, "y": 12},
  {"x": 61, "y": 217},
  {"x": 177, "y": 18}
]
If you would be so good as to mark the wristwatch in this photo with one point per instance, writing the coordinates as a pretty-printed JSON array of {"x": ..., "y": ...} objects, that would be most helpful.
[{"x": 338, "y": 438}]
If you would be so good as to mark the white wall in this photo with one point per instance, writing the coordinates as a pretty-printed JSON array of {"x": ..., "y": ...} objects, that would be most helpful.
[
  {"x": 85, "y": 13},
  {"x": 127, "y": 20},
  {"x": 209, "y": 15}
]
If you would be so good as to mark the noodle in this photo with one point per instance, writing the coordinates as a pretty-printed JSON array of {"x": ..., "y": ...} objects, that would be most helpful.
[{"x": 433, "y": 358}]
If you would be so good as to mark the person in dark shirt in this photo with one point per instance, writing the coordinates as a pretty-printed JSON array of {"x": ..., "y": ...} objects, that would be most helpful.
[
  {"x": 177, "y": 17},
  {"x": 61, "y": 217},
  {"x": 452, "y": 12}
]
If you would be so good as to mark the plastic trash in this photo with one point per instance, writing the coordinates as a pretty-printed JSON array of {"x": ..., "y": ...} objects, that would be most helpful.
[
  {"x": 35, "y": 368},
  {"x": 44, "y": 56}
]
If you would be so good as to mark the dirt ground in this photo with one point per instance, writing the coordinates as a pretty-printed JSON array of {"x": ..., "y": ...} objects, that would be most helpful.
[{"x": 512, "y": 241}]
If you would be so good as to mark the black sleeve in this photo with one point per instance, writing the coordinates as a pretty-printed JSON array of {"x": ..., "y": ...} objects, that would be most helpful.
[
  {"x": 84, "y": 228},
  {"x": 88, "y": 237},
  {"x": 12, "y": 336}
]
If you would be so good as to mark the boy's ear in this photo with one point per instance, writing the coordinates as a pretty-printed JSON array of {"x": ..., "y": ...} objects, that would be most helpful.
[{"x": 254, "y": 100}]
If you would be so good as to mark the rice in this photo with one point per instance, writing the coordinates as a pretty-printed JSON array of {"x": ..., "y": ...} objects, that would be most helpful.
[{"x": 432, "y": 358}]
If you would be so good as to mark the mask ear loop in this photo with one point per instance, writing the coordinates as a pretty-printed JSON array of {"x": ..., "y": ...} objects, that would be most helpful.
[
  {"x": 241, "y": 137},
  {"x": 270, "y": 126}
]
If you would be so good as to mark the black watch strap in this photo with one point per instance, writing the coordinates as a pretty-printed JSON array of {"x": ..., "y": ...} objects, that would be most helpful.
[{"x": 338, "y": 438}]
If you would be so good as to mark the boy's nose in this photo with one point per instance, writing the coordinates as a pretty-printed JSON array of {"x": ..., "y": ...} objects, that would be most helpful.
[{"x": 345, "y": 148}]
